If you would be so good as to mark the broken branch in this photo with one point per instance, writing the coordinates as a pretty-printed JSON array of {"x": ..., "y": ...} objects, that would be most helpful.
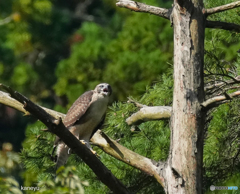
[{"x": 149, "y": 113}]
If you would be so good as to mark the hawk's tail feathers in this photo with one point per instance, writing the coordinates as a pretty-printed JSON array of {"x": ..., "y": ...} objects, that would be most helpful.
[{"x": 62, "y": 155}]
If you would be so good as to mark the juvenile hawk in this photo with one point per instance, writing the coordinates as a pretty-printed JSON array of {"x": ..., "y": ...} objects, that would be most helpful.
[{"x": 84, "y": 118}]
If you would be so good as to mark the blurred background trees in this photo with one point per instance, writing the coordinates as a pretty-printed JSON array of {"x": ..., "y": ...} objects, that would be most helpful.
[{"x": 53, "y": 51}]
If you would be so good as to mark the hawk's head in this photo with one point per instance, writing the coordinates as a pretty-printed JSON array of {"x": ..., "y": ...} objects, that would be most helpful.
[{"x": 104, "y": 89}]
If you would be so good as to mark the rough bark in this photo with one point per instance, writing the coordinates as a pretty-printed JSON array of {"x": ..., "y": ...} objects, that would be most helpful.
[{"x": 184, "y": 170}]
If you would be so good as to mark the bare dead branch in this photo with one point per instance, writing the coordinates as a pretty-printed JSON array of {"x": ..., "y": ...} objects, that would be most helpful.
[
  {"x": 223, "y": 25},
  {"x": 120, "y": 152},
  {"x": 141, "y": 7},
  {"x": 149, "y": 113},
  {"x": 218, "y": 99},
  {"x": 57, "y": 127},
  {"x": 6, "y": 99},
  {"x": 222, "y": 8}
]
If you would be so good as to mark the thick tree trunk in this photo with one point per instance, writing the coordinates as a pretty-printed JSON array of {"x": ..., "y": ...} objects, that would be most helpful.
[{"x": 184, "y": 169}]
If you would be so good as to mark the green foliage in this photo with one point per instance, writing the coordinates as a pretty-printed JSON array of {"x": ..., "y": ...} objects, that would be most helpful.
[
  {"x": 9, "y": 186},
  {"x": 36, "y": 151},
  {"x": 221, "y": 150},
  {"x": 221, "y": 159},
  {"x": 9, "y": 165},
  {"x": 221, "y": 45},
  {"x": 66, "y": 181},
  {"x": 234, "y": 181}
]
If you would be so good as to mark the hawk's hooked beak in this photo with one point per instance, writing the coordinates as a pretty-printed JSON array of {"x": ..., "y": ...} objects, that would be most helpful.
[{"x": 107, "y": 90}]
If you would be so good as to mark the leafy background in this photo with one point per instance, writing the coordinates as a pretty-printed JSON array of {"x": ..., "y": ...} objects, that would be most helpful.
[{"x": 53, "y": 51}]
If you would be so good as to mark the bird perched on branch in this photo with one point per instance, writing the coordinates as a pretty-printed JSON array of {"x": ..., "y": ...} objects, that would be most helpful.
[{"x": 83, "y": 119}]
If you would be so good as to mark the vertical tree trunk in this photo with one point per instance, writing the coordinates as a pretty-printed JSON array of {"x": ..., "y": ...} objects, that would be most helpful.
[{"x": 184, "y": 171}]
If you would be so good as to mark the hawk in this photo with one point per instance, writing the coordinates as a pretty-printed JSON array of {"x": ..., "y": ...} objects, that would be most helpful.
[{"x": 83, "y": 119}]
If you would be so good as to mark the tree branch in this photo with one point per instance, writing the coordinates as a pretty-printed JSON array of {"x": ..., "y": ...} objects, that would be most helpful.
[
  {"x": 223, "y": 25},
  {"x": 228, "y": 82},
  {"x": 57, "y": 127},
  {"x": 149, "y": 113},
  {"x": 127, "y": 156},
  {"x": 11, "y": 102},
  {"x": 215, "y": 101},
  {"x": 141, "y": 7},
  {"x": 100, "y": 139},
  {"x": 222, "y": 8},
  {"x": 136, "y": 103}
]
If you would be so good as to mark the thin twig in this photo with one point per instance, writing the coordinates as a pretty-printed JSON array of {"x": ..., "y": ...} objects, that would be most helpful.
[{"x": 130, "y": 100}]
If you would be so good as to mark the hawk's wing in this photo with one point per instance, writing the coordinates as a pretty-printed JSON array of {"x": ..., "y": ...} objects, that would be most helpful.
[
  {"x": 78, "y": 108},
  {"x": 76, "y": 111}
]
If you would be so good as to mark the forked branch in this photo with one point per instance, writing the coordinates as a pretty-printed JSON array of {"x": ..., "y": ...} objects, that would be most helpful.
[
  {"x": 222, "y": 8},
  {"x": 141, "y": 7},
  {"x": 57, "y": 127},
  {"x": 100, "y": 139}
]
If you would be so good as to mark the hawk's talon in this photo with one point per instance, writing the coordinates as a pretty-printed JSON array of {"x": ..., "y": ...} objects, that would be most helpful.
[
  {"x": 95, "y": 153},
  {"x": 83, "y": 142}
]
